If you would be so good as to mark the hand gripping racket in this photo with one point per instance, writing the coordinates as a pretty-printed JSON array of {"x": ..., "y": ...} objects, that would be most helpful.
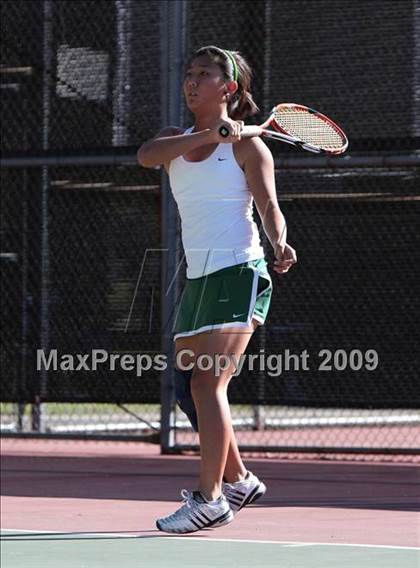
[{"x": 301, "y": 126}]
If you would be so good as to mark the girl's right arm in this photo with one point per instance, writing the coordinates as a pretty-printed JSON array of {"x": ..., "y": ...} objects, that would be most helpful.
[{"x": 170, "y": 144}]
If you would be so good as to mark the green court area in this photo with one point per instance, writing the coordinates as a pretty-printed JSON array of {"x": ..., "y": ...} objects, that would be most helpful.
[{"x": 108, "y": 550}]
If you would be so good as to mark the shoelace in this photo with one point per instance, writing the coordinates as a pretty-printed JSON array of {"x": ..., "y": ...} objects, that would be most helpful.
[
  {"x": 187, "y": 497},
  {"x": 188, "y": 500}
]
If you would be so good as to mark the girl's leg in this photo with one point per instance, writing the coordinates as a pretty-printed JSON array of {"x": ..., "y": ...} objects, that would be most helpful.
[
  {"x": 214, "y": 419},
  {"x": 234, "y": 468}
]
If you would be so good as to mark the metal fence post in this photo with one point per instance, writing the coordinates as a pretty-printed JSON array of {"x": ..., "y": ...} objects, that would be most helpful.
[
  {"x": 173, "y": 32},
  {"x": 122, "y": 80},
  {"x": 259, "y": 412},
  {"x": 37, "y": 408}
]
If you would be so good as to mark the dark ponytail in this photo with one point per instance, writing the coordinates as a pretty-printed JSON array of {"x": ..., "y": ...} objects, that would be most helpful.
[{"x": 241, "y": 104}]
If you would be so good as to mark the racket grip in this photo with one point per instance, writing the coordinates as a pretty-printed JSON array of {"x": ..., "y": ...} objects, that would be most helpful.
[{"x": 246, "y": 132}]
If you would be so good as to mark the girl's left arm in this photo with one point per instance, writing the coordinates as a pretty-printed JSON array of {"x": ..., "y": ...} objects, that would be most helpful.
[{"x": 259, "y": 172}]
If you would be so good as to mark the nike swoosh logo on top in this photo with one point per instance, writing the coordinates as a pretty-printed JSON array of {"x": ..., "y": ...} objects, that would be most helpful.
[
  {"x": 237, "y": 315},
  {"x": 222, "y": 159}
]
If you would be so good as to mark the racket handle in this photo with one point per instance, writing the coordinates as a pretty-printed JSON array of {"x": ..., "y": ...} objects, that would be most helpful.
[
  {"x": 246, "y": 132},
  {"x": 251, "y": 131},
  {"x": 223, "y": 131}
]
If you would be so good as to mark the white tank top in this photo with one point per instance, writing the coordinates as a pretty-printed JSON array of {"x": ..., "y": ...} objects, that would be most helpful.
[{"x": 215, "y": 206}]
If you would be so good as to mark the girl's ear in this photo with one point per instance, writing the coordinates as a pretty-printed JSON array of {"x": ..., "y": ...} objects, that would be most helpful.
[{"x": 232, "y": 86}]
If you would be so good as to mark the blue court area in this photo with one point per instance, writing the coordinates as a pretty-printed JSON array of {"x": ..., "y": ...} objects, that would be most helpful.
[{"x": 109, "y": 550}]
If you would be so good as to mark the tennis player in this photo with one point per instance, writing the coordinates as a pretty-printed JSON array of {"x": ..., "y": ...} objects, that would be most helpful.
[{"x": 227, "y": 294}]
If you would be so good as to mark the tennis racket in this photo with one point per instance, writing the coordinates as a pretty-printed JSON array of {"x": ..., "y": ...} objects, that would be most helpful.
[{"x": 301, "y": 126}]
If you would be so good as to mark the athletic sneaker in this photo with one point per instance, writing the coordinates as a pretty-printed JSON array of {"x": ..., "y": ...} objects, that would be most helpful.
[
  {"x": 243, "y": 492},
  {"x": 196, "y": 514}
]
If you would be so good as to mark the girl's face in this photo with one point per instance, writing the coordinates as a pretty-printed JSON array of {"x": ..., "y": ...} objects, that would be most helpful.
[{"x": 204, "y": 85}]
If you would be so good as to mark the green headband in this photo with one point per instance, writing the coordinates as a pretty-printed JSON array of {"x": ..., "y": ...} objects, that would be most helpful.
[{"x": 232, "y": 60}]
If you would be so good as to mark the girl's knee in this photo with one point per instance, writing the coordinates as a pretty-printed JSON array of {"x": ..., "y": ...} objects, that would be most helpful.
[{"x": 207, "y": 382}]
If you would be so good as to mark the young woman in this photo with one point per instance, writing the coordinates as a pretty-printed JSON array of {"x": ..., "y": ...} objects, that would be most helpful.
[{"x": 214, "y": 181}]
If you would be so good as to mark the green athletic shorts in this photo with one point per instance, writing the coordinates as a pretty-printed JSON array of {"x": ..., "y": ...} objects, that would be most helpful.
[{"x": 230, "y": 297}]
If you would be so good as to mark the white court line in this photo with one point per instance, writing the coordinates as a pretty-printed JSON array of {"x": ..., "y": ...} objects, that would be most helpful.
[
  {"x": 209, "y": 539},
  {"x": 286, "y": 543},
  {"x": 40, "y": 532}
]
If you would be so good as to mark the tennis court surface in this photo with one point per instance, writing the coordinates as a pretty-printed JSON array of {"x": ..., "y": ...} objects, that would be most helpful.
[{"x": 93, "y": 504}]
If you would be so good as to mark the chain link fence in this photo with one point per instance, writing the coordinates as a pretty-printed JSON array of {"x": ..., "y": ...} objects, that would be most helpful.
[
  {"x": 83, "y": 270},
  {"x": 91, "y": 244}
]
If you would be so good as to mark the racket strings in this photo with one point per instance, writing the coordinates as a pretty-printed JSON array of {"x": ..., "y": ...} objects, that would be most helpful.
[{"x": 308, "y": 127}]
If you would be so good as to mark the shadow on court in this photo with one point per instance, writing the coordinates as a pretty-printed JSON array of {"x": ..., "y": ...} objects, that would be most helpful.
[{"x": 160, "y": 478}]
